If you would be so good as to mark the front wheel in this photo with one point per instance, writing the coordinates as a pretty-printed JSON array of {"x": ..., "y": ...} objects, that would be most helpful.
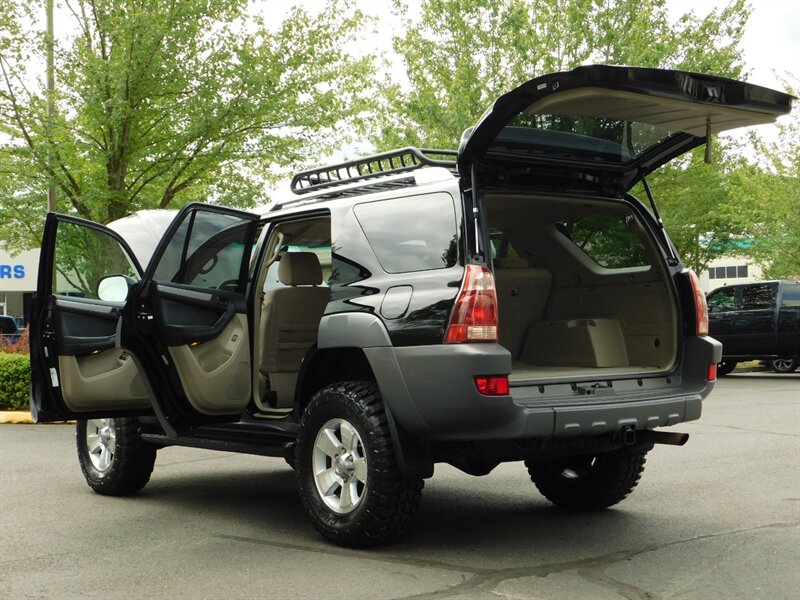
[
  {"x": 588, "y": 482},
  {"x": 350, "y": 485},
  {"x": 783, "y": 365},
  {"x": 115, "y": 461}
]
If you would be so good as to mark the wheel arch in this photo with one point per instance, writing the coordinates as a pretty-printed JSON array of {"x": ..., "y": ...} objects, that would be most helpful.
[{"x": 325, "y": 366}]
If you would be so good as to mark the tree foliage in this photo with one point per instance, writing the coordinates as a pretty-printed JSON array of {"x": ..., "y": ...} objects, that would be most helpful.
[
  {"x": 162, "y": 102},
  {"x": 462, "y": 54}
]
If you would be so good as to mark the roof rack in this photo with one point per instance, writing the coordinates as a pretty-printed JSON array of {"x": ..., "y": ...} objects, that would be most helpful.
[{"x": 368, "y": 167}]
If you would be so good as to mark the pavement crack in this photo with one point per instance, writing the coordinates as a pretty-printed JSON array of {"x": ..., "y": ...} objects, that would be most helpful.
[
  {"x": 749, "y": 430},
  {"x": 626, "y": 590},
  {"x": 488, "y": 579},
  {"x": 372, "y": 555}
]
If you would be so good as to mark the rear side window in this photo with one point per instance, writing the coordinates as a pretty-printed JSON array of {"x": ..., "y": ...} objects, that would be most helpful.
[
  {"x": 722, "y": 300},
  {"x": 411, "y": 234},
  {"x": 755, "y": 297},
  {"x": 791, "y": 296},
  {"x": 610, "y": 239}
]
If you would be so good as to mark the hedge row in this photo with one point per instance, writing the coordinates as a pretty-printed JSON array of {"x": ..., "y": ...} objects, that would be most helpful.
[{"x": 15, "y": 381}]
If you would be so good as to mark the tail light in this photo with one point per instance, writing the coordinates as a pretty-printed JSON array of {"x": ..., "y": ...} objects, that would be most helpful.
[
  {"x": 492, "y": 385},
  {"x": 700, "y": 306},
  {"x": 474, "y": 317},
  {"x": 711, "y": 372}
]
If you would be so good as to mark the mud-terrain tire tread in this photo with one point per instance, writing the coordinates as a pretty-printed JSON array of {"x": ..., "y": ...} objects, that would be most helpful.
[
  {"x": 611, "y": 479},
  {"x": 132, "y": 464},
  {"x": 391, "y": 500}
]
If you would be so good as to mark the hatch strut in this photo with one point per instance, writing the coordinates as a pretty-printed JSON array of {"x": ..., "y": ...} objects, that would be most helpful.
[{"x": 672, "y": 258}]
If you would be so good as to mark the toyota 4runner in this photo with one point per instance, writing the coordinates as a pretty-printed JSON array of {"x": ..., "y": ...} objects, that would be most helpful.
[{"x": 510, "y": 301}]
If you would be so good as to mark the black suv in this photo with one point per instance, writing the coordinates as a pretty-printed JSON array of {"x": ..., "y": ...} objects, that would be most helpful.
[
  {"x": 510, "y": 301},
  {"x": 757, "y": 321}
]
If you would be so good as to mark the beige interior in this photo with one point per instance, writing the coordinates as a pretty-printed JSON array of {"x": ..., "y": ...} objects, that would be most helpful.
[
  {"x": 216, "y": 374},
  {"x": 562, "y": 314},
  {"x": 289, "y": 323},
  {"x": 106, "y": 380}
]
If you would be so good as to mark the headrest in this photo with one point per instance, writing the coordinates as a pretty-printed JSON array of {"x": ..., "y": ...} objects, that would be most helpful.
[
  {"x": 299, "y": 268},
  {"x": 510, "y": 263}
]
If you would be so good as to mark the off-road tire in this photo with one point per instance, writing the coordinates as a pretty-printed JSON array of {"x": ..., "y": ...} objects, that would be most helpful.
[
  {"x": 388, "y": 500},
  {"x": 588, "y": 482},
  {"x": 130, "y": 465},
  {"x": 725, "y": 367}
]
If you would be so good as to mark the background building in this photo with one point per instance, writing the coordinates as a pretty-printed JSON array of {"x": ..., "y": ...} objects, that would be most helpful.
[{"x": 17, "y": 281}]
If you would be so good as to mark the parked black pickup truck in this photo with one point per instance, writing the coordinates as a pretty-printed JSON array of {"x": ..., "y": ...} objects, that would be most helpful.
[{"x": 757, "y": 321}]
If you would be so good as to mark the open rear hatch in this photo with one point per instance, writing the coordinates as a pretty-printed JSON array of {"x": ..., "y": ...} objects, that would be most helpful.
[
  {"x": 584, "y": 286},
  {"x": 603, "y": 128}
]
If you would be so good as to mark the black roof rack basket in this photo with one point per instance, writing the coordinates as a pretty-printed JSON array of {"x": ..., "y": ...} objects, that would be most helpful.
[{"x": 377, "y": 165}]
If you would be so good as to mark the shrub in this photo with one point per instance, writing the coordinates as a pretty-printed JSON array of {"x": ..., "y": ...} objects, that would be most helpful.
[
  {"x": 15, "y": 381},
  {"x": 21, "y": 346}
]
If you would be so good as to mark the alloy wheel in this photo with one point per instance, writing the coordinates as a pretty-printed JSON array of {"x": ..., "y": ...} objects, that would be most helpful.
[
  {"x": 101, "y": 442},
  {"x": 340, "y": 466}
]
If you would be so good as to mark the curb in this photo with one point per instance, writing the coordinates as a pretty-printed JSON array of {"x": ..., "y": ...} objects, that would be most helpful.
[
  {"x": 23, "y": 417},
  {"x": 15, "y": 416}
]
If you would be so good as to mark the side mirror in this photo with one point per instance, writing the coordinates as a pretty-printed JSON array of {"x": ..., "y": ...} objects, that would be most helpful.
[{"x": 114, "y": 288}]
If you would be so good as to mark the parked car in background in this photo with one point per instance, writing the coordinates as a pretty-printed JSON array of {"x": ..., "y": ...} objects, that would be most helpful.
[
  {"x": 757, "y": 321},
  {"x": 9, "y": 331}
]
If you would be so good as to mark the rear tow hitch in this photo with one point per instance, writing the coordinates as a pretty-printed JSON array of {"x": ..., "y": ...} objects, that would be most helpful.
[{"x": 629, "y": 436}]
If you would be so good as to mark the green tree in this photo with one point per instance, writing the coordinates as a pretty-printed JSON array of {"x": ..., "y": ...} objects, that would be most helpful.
[
  {"x": 462, "y": 54},
  {"x": 161, "y": 102},
  {"x": 770, "y": 200}
]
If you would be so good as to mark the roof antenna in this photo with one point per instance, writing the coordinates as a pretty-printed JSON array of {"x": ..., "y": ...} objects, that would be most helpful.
[{"x": 708, "y": 157}]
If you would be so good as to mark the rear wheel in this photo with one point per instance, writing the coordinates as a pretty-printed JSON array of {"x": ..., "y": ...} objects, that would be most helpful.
[
  {"x": 588, "y": 482},
  {"x": 115, "y": 461},
  {"x": 725, "y": 367},
  {"x": 349, "y": 482},
  {"x": 783, "y": 365}
]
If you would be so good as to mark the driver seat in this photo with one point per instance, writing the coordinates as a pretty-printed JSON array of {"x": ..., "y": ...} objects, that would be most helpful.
[{"x": 290, "y": 319}]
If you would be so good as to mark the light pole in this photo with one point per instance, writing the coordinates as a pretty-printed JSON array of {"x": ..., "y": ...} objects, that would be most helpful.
[{"x": 51, "y": 85}]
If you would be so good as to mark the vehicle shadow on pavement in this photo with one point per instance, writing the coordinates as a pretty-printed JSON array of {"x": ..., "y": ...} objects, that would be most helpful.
[{"x": 458, "y": 513}]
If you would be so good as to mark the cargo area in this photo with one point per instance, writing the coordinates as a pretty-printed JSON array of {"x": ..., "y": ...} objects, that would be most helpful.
[{"x": 582, "y": 289}]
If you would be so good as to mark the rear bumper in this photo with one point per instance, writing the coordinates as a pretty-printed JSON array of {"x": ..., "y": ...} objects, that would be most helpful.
[{"x": 430, "y": 392}]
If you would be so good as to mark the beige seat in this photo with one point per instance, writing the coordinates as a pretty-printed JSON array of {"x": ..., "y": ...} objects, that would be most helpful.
[
  {"x": 521, "y": 297},
  {"x": 290, "y": 319}
]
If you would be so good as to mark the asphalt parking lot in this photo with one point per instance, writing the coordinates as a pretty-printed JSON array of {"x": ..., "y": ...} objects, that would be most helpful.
[{"x": 718, "y": 518}]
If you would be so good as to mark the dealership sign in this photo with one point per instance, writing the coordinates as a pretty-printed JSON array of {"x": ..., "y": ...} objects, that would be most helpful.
[{"x": 18, "y": 273}]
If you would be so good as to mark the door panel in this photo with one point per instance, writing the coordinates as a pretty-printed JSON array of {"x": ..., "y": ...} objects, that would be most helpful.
[
  {"x": 109, "y": 378},
  {"x": 189, "y": 319},
  {"x": 216, "y": 373},
  {"x": 78, "y": 369},
  {"x": 721, "y": 308},
  {"x": 754, "y": 321}
]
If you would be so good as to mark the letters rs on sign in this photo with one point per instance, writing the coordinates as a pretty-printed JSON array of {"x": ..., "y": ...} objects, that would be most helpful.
[{"x": 12, "y": 271}]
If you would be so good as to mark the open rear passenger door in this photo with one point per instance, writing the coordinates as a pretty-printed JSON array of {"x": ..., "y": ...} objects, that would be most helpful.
[{"x": 187, "y": 321}]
